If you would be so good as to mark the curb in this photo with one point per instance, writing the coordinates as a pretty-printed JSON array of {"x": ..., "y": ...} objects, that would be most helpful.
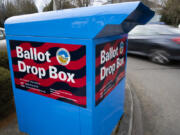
[
  {"x": 137, "y": 125},
  {"x": 131, "y": 122},
  {"x": 131, "y": 109}
]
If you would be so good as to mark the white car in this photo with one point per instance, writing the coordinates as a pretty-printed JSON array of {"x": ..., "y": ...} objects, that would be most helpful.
[{"x": 2, "y": 39}]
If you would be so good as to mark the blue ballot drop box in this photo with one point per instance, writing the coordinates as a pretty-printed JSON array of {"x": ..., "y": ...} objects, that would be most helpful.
[{"x": 68, "y": 67}]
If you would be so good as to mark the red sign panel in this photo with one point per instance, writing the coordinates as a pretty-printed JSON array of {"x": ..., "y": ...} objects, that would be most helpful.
[
  {"x": 53, "y": 70},
  {"x": 110, "y": 67}
]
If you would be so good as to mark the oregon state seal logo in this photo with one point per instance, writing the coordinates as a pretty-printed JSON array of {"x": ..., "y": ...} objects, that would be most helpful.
[{"x": 63, "y": 56}]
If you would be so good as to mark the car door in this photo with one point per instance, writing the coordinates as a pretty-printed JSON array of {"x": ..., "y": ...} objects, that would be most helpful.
[
  {"x": 137, "y": 43},
  {"x": 140, "y": 40}
]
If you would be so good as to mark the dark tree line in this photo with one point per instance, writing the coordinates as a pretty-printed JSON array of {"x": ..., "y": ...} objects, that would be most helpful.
[
  {"x": 65, "y": 4},
  {"x": 10, "y": 8},
  {"x": 171, "y": 12},
  {"x": 83, "y": 3},
  {"x": 170, "y": 9},
  {"x": 60, "y": 4},
  {"x": 146, "y": 2}
]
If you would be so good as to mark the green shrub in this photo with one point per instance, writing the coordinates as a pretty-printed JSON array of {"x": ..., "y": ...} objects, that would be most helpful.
[
  {"x": 171, "y": 12},
  {"x": 6, "y": 96},
  {"x": 4, "y": 59}
]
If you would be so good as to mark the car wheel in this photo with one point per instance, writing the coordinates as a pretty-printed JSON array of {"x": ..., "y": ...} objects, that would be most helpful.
[{"x": 160, "y": 57}]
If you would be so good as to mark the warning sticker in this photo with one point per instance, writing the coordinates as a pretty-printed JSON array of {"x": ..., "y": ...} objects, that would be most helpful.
[
  {"x": 53, "y": 70},
  {"x": 110, "y": 67}
]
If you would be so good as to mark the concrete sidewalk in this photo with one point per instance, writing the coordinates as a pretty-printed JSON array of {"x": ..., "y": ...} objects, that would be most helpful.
[{"x": 130, "y": 123}]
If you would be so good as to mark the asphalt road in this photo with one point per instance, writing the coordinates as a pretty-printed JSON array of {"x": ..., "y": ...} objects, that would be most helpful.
[{"x": 158, "y": 89}]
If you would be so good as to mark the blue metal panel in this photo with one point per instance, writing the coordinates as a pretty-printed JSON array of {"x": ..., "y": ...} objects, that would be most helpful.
[
  {"x": 107, "y": 114},
  {"x": 109, "y": 111},
  {"x": 86, "y": 22},
  {"x": 41, "y": 115}
]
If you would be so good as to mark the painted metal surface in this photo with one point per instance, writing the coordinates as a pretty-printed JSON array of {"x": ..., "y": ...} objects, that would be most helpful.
[
  {"x": 40, "y": 115},
  {"x": 86, "y": 22}
]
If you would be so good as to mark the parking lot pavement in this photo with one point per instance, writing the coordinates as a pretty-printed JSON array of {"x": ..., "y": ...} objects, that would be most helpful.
[
  {"x": 9, "y": 126},
  {"x": 131, "y": 122},
  {"x": 158, "y": 89}
]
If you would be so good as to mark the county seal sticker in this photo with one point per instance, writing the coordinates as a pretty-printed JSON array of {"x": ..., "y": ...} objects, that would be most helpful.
[
  {"x": 52, "y": 70},
  {"x": 122, "y": 47},
  {"x": 63, "y": 56}
]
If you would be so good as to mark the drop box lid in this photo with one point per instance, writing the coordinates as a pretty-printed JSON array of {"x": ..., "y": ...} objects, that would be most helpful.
[{"x": 82, "y": 23}]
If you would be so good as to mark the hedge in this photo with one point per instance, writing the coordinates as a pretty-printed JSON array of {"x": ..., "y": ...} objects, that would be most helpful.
[
  {"x": 4, "y": 59},
  {"x": 6, "y": 96},
  {"x": 171, "y": 12}
]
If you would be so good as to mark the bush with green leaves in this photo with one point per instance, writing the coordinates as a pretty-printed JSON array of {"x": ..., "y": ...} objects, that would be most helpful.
[
  {"x": 6, "y": 96},
  {"x": 171, "y": 12},
  {"x": 4, "y": 59},
  {"x": 9, "y": 8}
]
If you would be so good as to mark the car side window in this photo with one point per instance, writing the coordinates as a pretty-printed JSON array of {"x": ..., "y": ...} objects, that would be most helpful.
[
  {"x": 142, "y": 31},
  {"x": 1, "y": 35}
]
